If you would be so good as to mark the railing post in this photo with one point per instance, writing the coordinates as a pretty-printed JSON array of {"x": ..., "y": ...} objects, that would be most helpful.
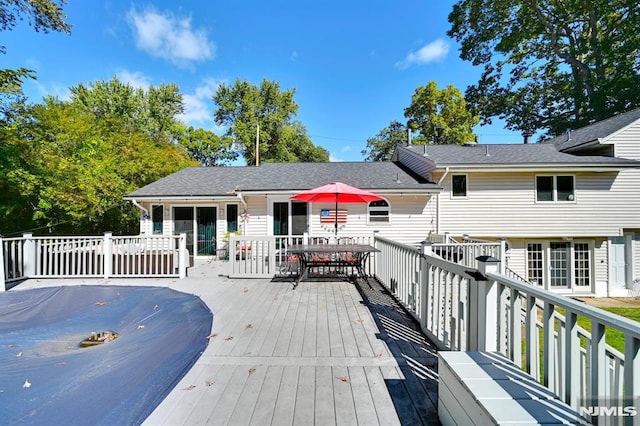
[
  {"x": 183, "y": 255},
  {"x": 107, "y": 253},
  {"x": 29, "y": 256},
  {"x": 425, "y": 281},
  {"x": 483, "y": 307},
  {"x": 503, "y": 256},
  {"x": 2, "y": 266}
]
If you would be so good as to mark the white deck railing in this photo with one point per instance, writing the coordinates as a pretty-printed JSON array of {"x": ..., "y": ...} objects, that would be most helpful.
[
  {"x": 266, "y": 257},
  {"x": 89, "y": 256},
  {"x": 462, "y": 308}
]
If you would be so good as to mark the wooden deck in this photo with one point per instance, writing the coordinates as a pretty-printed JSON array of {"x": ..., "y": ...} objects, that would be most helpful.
[{"x": 325, "y": 353}]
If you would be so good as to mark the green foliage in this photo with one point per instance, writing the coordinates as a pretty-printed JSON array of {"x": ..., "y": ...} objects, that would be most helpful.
[
  {"x": 550, "y": 65},
  {"x": 244, "y": 108},
  {"x": 69, "y": 167},
  {"x": 381, "y": 146},
  {"x": 206, "y": 147},
  {"x": 441, "y": 116},
  {"x": 42, "y": 15},
  {"x": 153, "y": 111}
]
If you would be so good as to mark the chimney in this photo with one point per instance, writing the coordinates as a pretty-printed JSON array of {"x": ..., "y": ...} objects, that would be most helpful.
[
  {"x": 408, "y": 136},
  {"x": 525, "y": 137}
]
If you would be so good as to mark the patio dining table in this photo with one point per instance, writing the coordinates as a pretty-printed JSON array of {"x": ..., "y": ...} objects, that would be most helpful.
[{"x": 331, "y": 255}]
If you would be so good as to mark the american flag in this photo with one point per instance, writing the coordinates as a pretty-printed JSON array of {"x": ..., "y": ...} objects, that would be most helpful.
[{"x": 329, "y": 216}]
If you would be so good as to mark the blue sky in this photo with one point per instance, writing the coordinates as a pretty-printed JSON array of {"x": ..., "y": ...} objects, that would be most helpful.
[{"x": 354, "y": 65}]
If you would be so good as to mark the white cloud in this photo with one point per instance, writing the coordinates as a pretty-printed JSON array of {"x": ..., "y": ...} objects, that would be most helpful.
[
  {"x": 198, "y": 106},
  {"x": 169, "y": 37},
  {"x": 134, "y": 79},
  {"x": 57, "y": 90},
  {"x": 345, "y": 148},
  {"x": 434, "y": 51}
]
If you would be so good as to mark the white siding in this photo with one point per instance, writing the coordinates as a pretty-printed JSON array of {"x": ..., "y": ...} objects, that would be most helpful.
[
  {"x": 517, "y": 260},
  {"x": 504, "y": 205},
  {"x": 627, "y": 142}
]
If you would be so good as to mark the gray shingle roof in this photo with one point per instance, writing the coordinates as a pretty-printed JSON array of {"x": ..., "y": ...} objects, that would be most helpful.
[
  {"x": 221, "y": 181},
  {"x": 595, "y": 131},
  {"x": 512, "y": 155}
]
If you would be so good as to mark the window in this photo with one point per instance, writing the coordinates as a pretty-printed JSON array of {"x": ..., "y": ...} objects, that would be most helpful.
[
  {"x": 232, "y": 217},
  {"x": 459, "y": 185},
  {"x": 582, "y": 266},
  {"x": 560, "y": 264},
  {"x": 555, "y": 188},
  {"x": 157, "y": 218},
  {"x": 290, "y": 218},
  {"x": 535, "y": 263},
  {"x": 379, "y": 212}
]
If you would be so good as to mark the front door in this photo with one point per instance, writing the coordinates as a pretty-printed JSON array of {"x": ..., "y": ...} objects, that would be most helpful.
[
  {"x": 559, "y": 266},
  {"x": 206, "y": 240},
  {"x": 617, "y": 264},
  {"x": 183, "y": 223}
]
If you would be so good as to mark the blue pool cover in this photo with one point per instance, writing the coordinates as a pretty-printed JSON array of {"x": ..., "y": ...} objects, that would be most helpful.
[{"x": 47, "y": 378}]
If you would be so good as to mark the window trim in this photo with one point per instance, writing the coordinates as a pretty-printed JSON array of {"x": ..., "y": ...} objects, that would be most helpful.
[
  {"x": 571, "y": 260},
  {"x": 386, "y": 209},
  {"x": 155, "y": 207},
  {"x": 554, "y": 190},
  {"x": 466, "y": 186}
]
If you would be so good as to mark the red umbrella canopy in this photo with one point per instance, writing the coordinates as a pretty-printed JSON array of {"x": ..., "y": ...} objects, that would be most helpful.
[{"x": 337, "y": 192}]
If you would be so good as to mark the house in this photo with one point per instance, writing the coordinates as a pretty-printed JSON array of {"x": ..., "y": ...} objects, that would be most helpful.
[
  {"x": 569, "y": 208},
  {"x": 209, "y": 202}
]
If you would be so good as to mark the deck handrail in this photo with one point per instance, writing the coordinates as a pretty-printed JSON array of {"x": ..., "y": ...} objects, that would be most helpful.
[
  {"x": 466, "y": 308},
  {"x": 103, "y": 256}
]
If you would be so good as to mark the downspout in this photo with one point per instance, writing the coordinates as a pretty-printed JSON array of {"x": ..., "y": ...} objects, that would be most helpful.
[
  {"x": 242, "y": 200},
  {"x": 446, "y": 172},
  {"x": 145, "y": 212},
  {"x": 244, "y": 204}
]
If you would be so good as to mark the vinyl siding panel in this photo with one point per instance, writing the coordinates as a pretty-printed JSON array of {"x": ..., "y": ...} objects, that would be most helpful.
[
  {"x": 517, "y": 259},
  {"x": 504, "y": 205},
  {"x": 627, "y": 142},
  {"x": 411, "y": 218}
]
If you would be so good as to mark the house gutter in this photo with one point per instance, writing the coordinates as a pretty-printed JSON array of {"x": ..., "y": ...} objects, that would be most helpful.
[
  {"x": 145, "y": 211},
  {"x": 446, "y": 172},
  {"x": 242, "y": 200}
]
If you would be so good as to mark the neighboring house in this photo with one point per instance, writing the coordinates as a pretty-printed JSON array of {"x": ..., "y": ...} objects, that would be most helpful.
[{"x": 569, "y": 208}]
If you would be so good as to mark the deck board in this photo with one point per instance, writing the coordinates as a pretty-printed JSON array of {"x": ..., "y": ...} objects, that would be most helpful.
[{"x": 327, "y": 352}]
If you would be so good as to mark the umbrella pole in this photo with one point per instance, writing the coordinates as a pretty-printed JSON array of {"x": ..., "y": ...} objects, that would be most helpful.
[{"x": 336, "y": 224}]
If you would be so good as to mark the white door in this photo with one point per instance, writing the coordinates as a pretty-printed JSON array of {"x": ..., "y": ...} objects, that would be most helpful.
[{"x": 617, "y": 264}]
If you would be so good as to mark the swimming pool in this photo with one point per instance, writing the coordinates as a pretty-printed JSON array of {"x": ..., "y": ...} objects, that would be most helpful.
[{"x": 47, "y": 377}]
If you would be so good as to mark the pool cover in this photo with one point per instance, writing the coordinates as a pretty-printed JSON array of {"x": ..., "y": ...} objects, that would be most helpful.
[{"x": 47, "y": 378}]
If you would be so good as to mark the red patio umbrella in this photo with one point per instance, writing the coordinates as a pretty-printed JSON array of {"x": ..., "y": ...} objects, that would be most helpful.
[{"x": 337, "y": 192}]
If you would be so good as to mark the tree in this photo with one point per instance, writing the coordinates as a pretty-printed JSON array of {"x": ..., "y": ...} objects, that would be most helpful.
[
  {"x": 153, "y": 111},
  {"x": 550, "y": 65},
  {"x": 441, "y": 116},
  {"x": 68, "y": 168},
  {"x": 206, "y": 147},
  {"x": 248, "y": 110},
  {"x": 381, "y": 146},
  {"x": 42, "y": 15}
]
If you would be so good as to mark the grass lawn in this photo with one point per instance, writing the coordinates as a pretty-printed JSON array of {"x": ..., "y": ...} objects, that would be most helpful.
[{"x": 614, "y": 337}]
